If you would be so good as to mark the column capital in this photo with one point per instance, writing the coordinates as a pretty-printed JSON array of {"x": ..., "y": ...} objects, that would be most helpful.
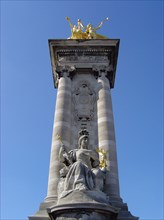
[
  {"x": 65, "y": 70},
  {"x": 102, "y": 70}
]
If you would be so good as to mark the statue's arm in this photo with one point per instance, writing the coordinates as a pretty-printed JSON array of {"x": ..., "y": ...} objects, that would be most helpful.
[
  {"x": 100, "y": 25},
  {"x": 64, "y": 156},
  {"x": 95, "y": 159},
  {"x": 96, "y": 28},
  {"x": 72, "y": 155},
  {"x": 82, "y": 26},
  {"x": 61, "y": 154},
  {"x": 68, "y": 19}
]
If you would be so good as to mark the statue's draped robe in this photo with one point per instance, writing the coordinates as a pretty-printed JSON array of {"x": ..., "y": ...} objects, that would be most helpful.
[{"x": 80, "y": 175}]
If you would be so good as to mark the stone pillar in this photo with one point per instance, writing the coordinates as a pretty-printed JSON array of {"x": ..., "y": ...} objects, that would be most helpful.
[
  {"x": 62, "y": 127},
  {"x": 106, "y": 132}
]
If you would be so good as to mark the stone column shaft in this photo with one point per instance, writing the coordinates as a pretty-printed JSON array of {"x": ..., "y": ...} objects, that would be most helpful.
[
  {"x": 106, "y": 135},
  {"x": 62, "y": 127}
]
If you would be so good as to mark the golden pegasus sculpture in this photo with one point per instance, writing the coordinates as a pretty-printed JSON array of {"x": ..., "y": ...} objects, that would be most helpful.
[{"x": 80, "y": 31}]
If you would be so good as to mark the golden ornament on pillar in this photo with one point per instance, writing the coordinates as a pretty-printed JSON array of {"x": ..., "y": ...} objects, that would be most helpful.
[
  {"x": 102, "y": 157},
  {"x": 81, "y": 31}
]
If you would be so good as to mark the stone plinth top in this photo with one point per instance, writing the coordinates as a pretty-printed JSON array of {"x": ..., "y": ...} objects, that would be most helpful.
[
  {"x": 80, "y": 56},
  {"x": 92, "y": 210}
]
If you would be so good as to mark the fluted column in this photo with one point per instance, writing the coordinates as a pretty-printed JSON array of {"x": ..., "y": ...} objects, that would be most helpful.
[
  {"x": 62, "y": 127},
  {"x": 106, "y": 132}
]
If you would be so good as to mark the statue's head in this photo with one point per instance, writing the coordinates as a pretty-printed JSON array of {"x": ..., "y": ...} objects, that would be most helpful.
[
  {"x": 83, "y": 139},
  {"x": 83, "y": 142}
]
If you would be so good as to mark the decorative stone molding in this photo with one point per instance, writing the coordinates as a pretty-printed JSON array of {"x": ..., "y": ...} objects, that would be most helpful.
[
  {"x": 83, "y": 51},
  {"x": 83, "y": 55},
  {"x": 83, "y": 102}
]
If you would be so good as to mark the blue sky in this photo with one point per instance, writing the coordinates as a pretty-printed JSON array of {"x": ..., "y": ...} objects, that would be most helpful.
[{"x": 28, "y": 99}]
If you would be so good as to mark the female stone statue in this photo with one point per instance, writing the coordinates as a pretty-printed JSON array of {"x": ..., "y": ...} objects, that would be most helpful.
[{"x": 79, "y": 165}]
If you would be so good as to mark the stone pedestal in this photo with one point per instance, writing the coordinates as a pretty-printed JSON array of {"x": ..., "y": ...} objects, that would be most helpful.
[
  {"x": 84, "y": 74},
  {"x": 82, "y": 211},
  {"x": 81, "y": 205}
]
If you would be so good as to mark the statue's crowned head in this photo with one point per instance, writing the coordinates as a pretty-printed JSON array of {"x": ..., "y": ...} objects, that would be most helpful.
[{"x": 83, "y": 139}]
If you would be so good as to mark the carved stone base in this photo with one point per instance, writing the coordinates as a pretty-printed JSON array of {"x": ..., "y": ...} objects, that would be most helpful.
[
  {"x": 83, "y": 205},
  {"x": 83, "y": 211}
]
